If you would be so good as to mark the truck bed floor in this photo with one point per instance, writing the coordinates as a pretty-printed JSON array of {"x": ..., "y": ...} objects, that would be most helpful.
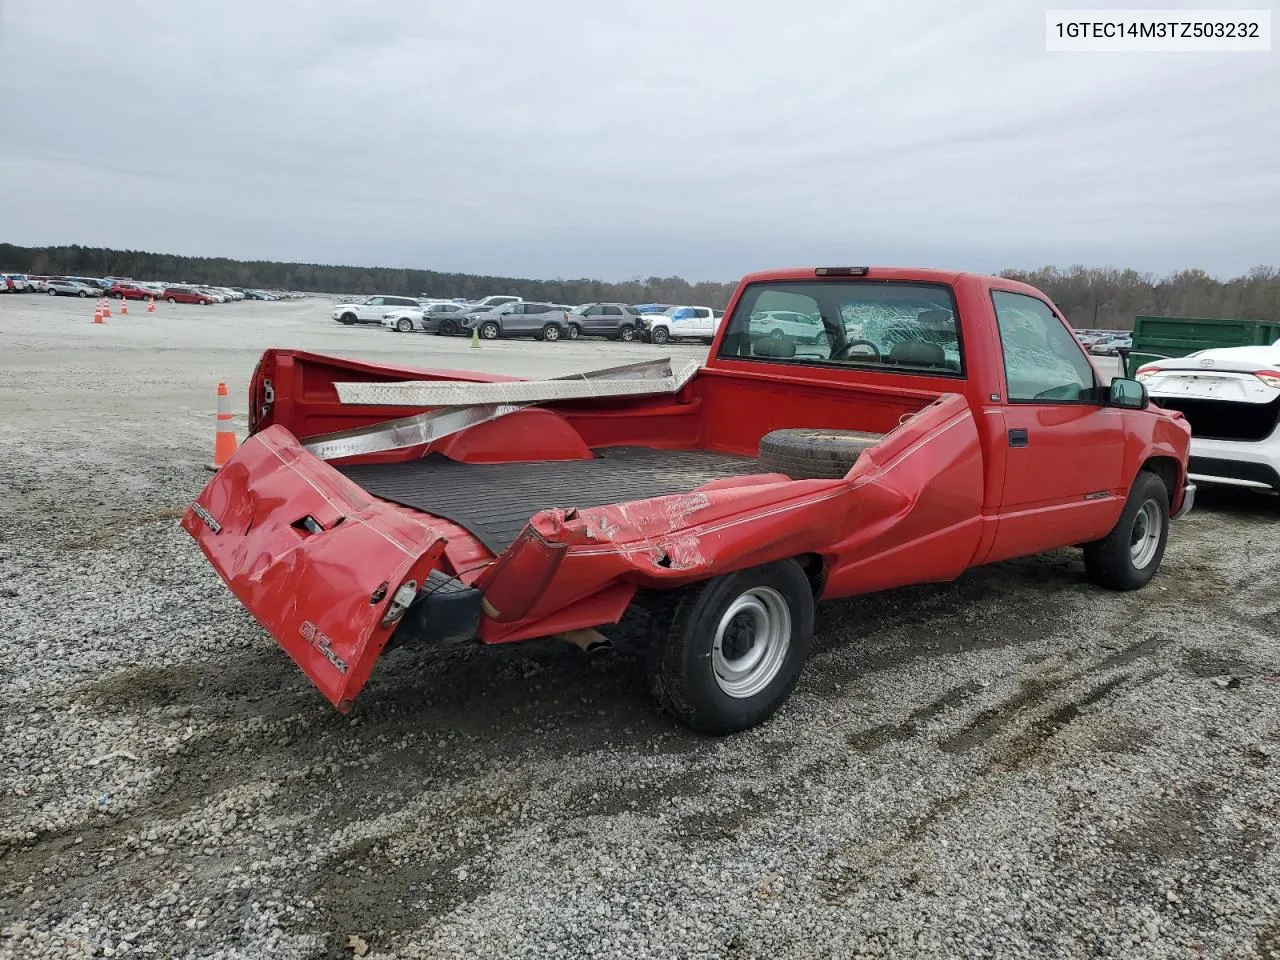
[{"x": 495, "y": 501}]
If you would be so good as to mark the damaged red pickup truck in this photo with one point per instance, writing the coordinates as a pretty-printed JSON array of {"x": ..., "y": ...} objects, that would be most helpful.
[{"x": 929, "y": 422}]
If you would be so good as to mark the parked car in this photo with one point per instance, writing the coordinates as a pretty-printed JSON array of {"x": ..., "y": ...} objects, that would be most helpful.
[
  {"x": 617, "y": 321},
  {"x": 681, "y": 323},
  {"x": 70, "y": 288},
  {"x": 440, "y": 317},
  {"x": 370, "y": 309},
  {"x": 706, "y": 530},
  {"x": 789, "y": 324},
  {"x": 1231, "y": 398},
  {"x": 497, "y": 300},
  {"x": 15, "y": 283},
  {"x": 524, "y": 318},
  {"x": 129, "y": 291},
  {"x": 94, "y": 283},
  {"x": 186, "y": 295}
]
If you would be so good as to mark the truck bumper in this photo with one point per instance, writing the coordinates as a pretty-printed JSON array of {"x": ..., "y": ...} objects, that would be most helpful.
[{"x": 1188, "y": 501}]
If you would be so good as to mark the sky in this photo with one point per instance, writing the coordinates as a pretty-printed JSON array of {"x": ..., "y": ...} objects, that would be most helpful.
[{"x": 629, "y": 139}]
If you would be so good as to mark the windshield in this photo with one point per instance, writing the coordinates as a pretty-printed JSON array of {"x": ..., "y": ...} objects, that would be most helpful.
[{"x": 904, "y": 327}]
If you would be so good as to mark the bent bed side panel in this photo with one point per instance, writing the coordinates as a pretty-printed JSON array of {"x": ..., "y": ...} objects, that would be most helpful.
[
  {"x": 933, "y": 468},
  {"x": 909, "y": 510},
  {"x": 315, "y": 559},
  {"x": 295, "y": 389}
]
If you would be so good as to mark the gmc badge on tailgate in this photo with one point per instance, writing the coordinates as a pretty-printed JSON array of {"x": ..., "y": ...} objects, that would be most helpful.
[{"x": 204, "y": 515}]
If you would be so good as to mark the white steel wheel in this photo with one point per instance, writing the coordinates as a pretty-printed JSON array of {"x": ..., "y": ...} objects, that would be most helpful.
[
  {"x": 1144, "y": 538},
  {"x": 751, "y": 642}
]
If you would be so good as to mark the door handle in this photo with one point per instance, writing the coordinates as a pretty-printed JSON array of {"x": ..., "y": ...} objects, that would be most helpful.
[{"x": 1018, "y": 437}]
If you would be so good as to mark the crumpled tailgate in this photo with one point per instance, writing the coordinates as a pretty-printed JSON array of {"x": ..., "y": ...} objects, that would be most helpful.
[{"x": 312, "y": 556}]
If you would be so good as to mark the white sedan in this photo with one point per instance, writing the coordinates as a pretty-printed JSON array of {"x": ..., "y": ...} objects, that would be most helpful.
[{"x": 1231, "y": 398}]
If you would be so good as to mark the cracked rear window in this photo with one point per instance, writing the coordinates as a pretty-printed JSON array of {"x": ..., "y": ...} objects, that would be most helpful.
[{"x": 900, "y": 327}]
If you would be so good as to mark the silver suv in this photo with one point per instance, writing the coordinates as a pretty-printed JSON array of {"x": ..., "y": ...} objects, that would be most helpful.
[
  {"x": 548, "y": 321},
  {"x": 617, "y": 321}
]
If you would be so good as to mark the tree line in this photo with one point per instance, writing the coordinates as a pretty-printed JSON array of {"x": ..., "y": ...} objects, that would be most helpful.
[
  {"x": 1090, "y": 297},
  {"x": 323, "y": 278},
  {"x": 1109, "y": 299}
]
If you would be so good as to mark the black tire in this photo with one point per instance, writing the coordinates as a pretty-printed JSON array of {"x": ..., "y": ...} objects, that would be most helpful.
[
  {"x": 575, "y": 331},
  {"x": 490, "y": 330},
  {"x": 686, "y": 632},
  {"x": 551, "y": 332},
  {"x": 813, "y": 454},
  {"x": 171, "y": 300},
  {"x": 660, "y": 335},
  {"x": 1129, "y": 556},
  {"x": 447, "y": 328},
  {"x": 82, "y": 294},
  {"x": 53, "y": 293},
  {"x": 626, "y": 333},
  {"x": 347, "y": 318},
  {"x": 404, "y": 325}
]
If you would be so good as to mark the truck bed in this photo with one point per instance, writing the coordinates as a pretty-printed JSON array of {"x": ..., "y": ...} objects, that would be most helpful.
[{"x": 495, "y": 501}]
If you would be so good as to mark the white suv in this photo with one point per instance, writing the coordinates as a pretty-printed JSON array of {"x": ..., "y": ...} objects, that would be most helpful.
[{"x": 372, "y": 309}]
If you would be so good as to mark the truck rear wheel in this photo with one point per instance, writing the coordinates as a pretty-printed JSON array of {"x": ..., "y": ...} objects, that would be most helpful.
[
  {"x": 813, "y": 454},
  {"x": 1129, "y": 556},
  {"x": 723, "y": 655}
]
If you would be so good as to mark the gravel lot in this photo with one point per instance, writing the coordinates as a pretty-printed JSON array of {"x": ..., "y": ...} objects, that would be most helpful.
[{"x": 1017, "y": 764}]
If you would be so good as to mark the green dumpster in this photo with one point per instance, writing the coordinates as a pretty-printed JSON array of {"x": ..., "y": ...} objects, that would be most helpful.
[{"x": 1155, "y": 338}]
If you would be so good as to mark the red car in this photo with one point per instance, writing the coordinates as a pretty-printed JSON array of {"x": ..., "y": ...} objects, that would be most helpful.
[
  {"x": 943, "y": 421},
  {"x": 129, "y": 291},
  {"x": 185, "y": 295}
]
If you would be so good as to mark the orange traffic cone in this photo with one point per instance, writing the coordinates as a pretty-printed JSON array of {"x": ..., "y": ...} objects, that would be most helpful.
[
  {"x": 97, "y": 313},
  {"x": 106, "y": 308},
  {"x": 124, "y": 306},
  {"x": 151, "y": 304},
  {"x": 225, "y": 443}
]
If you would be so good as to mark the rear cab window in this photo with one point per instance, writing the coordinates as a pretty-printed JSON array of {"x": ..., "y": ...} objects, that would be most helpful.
[{"x": 876, "y": 325}]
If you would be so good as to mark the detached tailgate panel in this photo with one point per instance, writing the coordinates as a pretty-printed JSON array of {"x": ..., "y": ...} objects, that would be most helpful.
[{"x": 312, "y": 556}]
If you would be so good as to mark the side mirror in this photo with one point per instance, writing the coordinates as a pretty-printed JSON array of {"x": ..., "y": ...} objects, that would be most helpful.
[{"x": 1129, "y": 394}]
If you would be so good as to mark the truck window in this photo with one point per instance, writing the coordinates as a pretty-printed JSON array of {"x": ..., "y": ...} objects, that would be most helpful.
[
  {"x": 900, "y": 327},
  {"x": 1042, "y": 360}
]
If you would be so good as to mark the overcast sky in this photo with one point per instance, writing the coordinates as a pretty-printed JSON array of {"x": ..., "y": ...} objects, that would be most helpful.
[{"x": 548, "y": 138}]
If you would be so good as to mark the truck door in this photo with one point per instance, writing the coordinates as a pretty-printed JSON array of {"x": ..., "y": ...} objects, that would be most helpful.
[{"x": 1064, "y": 466}]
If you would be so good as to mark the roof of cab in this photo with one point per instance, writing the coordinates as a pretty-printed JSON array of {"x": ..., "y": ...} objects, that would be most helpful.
[{"x": 873, "y": 273}]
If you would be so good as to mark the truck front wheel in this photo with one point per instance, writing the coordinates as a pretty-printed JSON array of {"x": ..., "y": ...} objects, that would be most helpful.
[
  {"x": 1129, "y": 556},
  {"x": 660, "y": 335},
  {"x": 723, "y": 655}
]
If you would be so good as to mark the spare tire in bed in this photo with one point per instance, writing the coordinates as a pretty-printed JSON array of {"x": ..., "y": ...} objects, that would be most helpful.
[{"x": 813, "y": 454}]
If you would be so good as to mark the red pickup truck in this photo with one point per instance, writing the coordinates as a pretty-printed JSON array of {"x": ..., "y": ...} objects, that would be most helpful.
[{"x": 936, "y": 422}]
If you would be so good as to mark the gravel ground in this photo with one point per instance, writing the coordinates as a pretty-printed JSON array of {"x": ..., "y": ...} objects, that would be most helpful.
[{"x": 1016, "y": 764}]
